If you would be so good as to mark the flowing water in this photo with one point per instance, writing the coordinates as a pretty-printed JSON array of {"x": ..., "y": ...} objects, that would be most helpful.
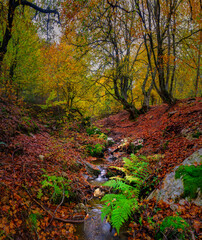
[{"x": 94, "y": 228}]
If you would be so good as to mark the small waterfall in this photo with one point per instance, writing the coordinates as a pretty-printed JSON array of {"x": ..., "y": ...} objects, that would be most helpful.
[{"x": 102, "y": 177}]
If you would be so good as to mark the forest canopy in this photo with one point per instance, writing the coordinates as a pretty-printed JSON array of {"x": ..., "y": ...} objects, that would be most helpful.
[{"x": 109, "y": 54}]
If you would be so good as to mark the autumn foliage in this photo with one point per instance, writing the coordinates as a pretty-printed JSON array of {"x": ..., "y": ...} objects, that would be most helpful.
[{"x": 24, "y": 140}]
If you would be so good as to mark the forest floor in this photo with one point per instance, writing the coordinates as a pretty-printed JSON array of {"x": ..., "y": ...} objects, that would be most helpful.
[{"x": 35, "y": 205}]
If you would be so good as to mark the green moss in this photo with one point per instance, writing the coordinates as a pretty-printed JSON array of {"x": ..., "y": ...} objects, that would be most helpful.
[
  {"x": 173, "y": 227},
  {"x": 95, "y": 151},
  {"x": 192, "y": 179}
]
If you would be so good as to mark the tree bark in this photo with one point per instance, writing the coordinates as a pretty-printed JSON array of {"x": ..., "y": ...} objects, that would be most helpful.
[{"x": 198, "y": 71}]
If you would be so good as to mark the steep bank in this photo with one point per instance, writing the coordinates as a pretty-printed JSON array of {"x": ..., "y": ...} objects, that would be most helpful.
[
  {"x": 172, "y": 135},
  {"x": 31, "y": 151}
]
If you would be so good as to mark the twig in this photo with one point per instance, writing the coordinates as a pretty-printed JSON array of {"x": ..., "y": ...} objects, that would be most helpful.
[
  {"x": 63, "y": 197},
  {"x": 52, "y": 214},
  {"x": 192, "y": 235}
]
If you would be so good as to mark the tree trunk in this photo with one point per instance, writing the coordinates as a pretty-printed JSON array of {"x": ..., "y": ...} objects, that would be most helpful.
[
  {"x": 198, "y": 71},
  {"x": 7, "y": 34},
  {"x": 13, "y": 4},
  {"x": 120, "y": 97},
  {"x": 147, "y": 94}
]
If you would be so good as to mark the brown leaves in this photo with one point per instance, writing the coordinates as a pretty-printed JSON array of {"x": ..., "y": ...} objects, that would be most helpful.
[{"x": 162, "y": 135}]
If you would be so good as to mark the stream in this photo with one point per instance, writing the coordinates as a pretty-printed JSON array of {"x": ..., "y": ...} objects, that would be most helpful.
[{"x": 93, "y": 228}]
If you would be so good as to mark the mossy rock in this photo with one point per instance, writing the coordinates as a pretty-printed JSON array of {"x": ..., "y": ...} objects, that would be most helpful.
[
  {"x": 185, "y": 184},
  {"x": 192, "y": 179}
]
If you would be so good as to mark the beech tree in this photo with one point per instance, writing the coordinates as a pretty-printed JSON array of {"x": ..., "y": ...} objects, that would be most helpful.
[
  {"x": 20, "y": 67},
  {"x": 9, "y": 8},
  {"x": 162, "y": 27},
  {"x": 112, "y": 35}
]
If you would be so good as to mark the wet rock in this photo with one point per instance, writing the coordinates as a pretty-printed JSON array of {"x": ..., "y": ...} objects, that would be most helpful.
[
  {"x": 185, "y": 131},
  {"x": 80, "y": 207},
  {"x": 129, "y": 146},
  {"x": 172, "y": 189},
  {"x": 95, "y": 229},
  {"x": 136, "y": 145},
  {"x": 111, "y": 158},
  {"x": 98, "y": 193},
  {"x": 92, "y": 170},
  {"x": 124, "y": 144},
  {"x": 191, "y": 134}
]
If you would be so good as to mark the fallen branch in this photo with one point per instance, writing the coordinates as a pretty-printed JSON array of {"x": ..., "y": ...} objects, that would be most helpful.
[{"x": 52, "y": 214}]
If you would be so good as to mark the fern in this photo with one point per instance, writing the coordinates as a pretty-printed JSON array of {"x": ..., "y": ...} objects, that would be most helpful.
[
  {"x": 57, "y": 186},
  {"x": 119, "y": 207}
]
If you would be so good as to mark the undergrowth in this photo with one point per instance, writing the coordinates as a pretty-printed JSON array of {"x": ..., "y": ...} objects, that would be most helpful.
[
  {"x": 95, "y": 151},
  {"x": 174, "y": 228},
  {"x": 123, "y": 201},
  {"x": 56, "y": 188}
]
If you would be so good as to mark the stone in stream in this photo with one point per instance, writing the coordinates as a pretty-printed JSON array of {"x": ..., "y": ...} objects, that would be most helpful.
[
  {"x": 92, "y": 169},
  {"x": 98, "y": 193},
  {"x": 96, "y": 229}
]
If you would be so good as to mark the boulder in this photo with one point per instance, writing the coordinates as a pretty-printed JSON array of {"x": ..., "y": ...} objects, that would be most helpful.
[{"x": 172, "y": 189}]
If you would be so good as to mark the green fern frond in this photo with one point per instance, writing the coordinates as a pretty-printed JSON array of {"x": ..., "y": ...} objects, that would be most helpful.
[
  {"x": 119, "y": 207},
  {"x": 122, "y": 212},
  {"x": 128, "y": 162},
  {"x": 119, "y": 168},
  {"x": 143, "y": 157},
  {"x": 117, "y": 178},
  {"x": 122, "y": 209},
  {"x": 134, "y": 157},
  {"x": 56, "y": 186},
  {"x": 119, "y": 185},
  {"x": 132, "y": 179}
]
